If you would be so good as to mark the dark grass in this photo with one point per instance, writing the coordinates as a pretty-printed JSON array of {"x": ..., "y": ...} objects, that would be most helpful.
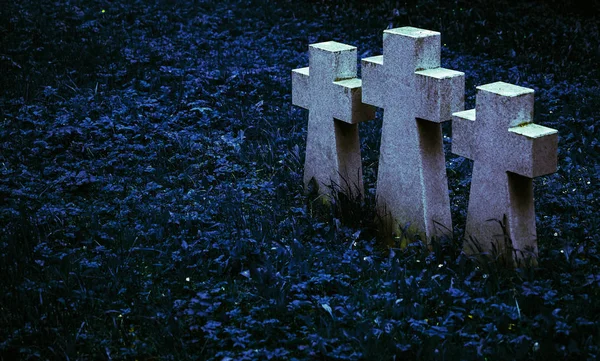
[{"x": 151, "y": 197}]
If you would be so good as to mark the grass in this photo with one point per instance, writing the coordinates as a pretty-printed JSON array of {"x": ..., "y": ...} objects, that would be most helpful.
[{"x": 152, "y": 204}]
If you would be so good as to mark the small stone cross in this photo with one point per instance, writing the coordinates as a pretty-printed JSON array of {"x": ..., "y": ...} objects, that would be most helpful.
[
  {"x": 508, "y": 150},
  {"x": 329, "y": 89},
  {"x": 416, "y": 95}
]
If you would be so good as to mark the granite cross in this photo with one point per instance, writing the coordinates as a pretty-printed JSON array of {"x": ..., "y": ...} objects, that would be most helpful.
[
  {"x": 508, "y": 150},
  {"x": 329, "y": 89},
  {"x": 416, "y": 95}
]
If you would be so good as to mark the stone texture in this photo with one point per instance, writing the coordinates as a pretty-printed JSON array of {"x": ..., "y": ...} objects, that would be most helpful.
[
  {"x": 508, "y": 152},
  {"x": 329, "y": 89},
  {"x": 416, "y": 95}
]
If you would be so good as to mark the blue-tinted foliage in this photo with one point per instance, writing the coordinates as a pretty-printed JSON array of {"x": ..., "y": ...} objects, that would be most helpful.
[{"x": 151, "y": 201}]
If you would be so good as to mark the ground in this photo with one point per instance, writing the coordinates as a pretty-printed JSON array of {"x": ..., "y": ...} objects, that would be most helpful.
[{"x": 151, "y": 197}]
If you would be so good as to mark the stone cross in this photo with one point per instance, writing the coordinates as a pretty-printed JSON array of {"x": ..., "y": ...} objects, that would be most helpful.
[
  {"x": 508, "y": 150},
  {"x": 416, "y": 95},
  {"x": 329, "y": 89}
]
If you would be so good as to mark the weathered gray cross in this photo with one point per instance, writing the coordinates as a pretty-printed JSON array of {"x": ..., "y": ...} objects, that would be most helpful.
[
  {"x": 329, "y": 89},
  {"x": 509, "y": 150},
  {"x": 416, "y": 95}
]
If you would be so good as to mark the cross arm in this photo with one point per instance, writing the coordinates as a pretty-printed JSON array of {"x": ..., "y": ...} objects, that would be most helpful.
[
  {"x": 348, "y": 106},
  {"x": 300, "y": 91},
  {"x": 443, "y": 93},
  {"x": 535, "y": 150},
  {"x": 463, "y": 133},
  {"x": 373, "y": 78}
]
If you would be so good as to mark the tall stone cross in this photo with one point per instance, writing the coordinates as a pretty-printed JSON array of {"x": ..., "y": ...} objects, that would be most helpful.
[
  {"x": 329, "y": 89},
  {"x": 416, "y": 95},
  {"x": 508, "y": 150}
]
